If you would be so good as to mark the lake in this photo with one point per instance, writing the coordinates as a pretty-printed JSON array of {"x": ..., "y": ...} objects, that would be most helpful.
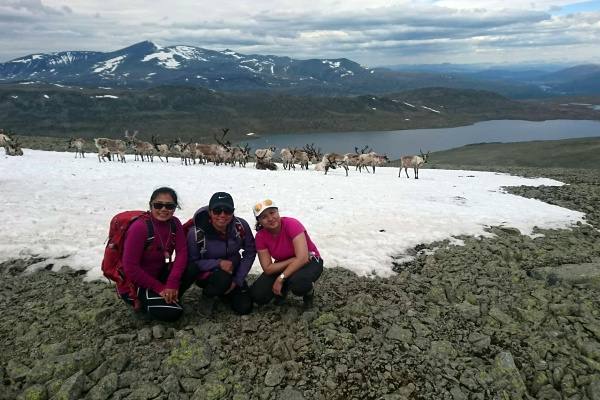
[{"x": 398, "y": 143}]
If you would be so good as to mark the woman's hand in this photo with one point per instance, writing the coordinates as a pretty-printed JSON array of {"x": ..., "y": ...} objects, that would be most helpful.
[
  {"x": 277, "y": 286},
  {"x": 226, "y": 266},
  {"x": 170, "y": 295}
]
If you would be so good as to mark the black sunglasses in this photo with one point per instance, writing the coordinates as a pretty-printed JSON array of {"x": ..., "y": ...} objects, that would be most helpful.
[
  {"x": 221, "y": 210},
  {"x": 168, "y": 206}
]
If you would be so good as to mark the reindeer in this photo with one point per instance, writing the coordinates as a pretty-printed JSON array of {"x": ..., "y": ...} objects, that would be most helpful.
[
  {"x": 287, "y": 158},
  {"x": 302, "y": 157},
  {"x": 109, "y": 148},
  {"x": 352, "y": 159},
  {"x": 315, "y": 154},
  {"x": 13, "y": 147},
  {"x": 333, "y": 160},
  {"x": 161, "y": 149},
  {"x": 224, "y": 151},
  {"x": 77, "y": 144},
  {"x": 185, "y": 151},
  {"x": 264, "y": 155},
  {"x": 5, "y": 140},
  {"x": 140, "y": 147},
  {"x": 371, "y": 159},
  {"x": 240, "y": 155},
  {"x": 414, "y": 162}
]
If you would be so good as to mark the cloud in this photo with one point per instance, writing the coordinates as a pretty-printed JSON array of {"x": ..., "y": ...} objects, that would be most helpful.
[{"x": 380, "y": 33}]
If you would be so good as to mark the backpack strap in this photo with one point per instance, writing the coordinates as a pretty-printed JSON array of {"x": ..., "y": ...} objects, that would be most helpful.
[
  {"x": 240, "y": 231},
  {"x": 200, "y": 235},
  {"x": 150, "y": 235}
]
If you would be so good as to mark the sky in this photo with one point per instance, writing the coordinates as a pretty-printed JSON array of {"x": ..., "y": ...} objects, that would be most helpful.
[
  {"x": 60, "y": 206},
  {"x": 373, "y": 32}
]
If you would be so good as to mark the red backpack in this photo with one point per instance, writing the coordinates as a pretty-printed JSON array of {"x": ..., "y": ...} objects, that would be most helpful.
[{"x": 112, "y": 265}]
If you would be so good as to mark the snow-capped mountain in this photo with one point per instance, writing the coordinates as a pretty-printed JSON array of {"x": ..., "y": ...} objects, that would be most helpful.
[{"x": 147, "y": 64}]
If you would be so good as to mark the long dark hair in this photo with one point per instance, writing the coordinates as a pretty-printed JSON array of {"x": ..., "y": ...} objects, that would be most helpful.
[{"x": 164, "y": 190}]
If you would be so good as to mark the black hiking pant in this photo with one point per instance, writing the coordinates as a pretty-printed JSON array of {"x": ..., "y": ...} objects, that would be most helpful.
[
  {"x": 300, "y": 283},
  {"x": 217, "y": 284},
  {"x": 154, "y": 305}
]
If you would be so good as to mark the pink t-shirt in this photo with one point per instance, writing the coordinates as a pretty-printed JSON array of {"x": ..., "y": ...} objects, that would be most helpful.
[{"x": 280, "y": 246}]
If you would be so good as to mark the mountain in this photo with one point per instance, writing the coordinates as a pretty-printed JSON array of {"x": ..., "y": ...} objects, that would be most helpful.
[{"x": 146, "y": 64}]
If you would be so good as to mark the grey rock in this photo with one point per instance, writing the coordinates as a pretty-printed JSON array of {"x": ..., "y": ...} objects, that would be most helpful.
[
  {"x": 159, "y": 331},
  {"x": 16, "y": 370},
  {"x": 443, "y": 350},
  {"x": 170, "y": 384},
  {"x": 548, "y": 393},
  {"x": 275, "y": 375},
  {"x": 479, "y": 341},
  {"x": 290, "y": 393},
  {"x": 468, "y": 311},
  {"x": 34, "y": 392},
  {"x": 189, "y": 357},
  {"x": 72, "y": 388},
  {"x": 145, "y": 391},
  {"x": 190, "y": 385},
  {"x": 42, "y": 372},
  {"x": 400, "y": 334},
  {"x": 104, "y": 388},
  {"x": 211, "y": 391},
  {"x": 144, "y": 336},
  {"x": 507, "y": 376},
  {"x": 593, "y": 389},
  {"x": 587, "y": 274}
]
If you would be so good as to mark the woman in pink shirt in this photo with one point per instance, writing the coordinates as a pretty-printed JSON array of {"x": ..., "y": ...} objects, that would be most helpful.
[
  {"x": 148, "y": 261},
  {"x": 289, "y": 258}
]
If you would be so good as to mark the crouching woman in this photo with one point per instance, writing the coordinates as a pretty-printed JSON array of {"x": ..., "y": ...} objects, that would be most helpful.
[
  {"x": 148, "y": 258},
  {"x": 221, "y": 253},
  {"x": 289, "y": 259}
]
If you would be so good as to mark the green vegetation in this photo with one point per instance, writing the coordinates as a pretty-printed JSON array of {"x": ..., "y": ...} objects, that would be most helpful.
[
  {"x": 198, "y": 114},
  {"x": 568, "y": 153}
]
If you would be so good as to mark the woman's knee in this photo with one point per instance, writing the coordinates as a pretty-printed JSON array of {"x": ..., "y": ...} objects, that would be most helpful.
[
  {"x": 166, "y": 313},
  {"x": 301, "y": 287},
  {"x": 261, "y": 294}
]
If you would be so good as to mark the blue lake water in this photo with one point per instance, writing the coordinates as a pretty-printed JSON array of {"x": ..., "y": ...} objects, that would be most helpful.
[{"x": 398, "y": 143}]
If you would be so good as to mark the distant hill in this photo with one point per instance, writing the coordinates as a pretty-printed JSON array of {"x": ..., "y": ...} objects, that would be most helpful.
[
  {"x": 568, "y": 153},
  {"x": 187, "y": 112},
  {"x": 146, "y": 65}
]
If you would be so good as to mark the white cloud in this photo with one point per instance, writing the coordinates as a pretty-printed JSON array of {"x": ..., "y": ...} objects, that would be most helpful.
[{"x": 374, "y": 33}]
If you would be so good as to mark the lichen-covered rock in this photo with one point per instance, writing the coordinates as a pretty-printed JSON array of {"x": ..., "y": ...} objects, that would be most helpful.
[
  {"x": 104, "y": 388},
  {"x": 189, "y": 357}
]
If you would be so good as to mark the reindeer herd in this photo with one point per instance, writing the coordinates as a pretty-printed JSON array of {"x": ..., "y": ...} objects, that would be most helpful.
[{"x": 224, "y": 153}]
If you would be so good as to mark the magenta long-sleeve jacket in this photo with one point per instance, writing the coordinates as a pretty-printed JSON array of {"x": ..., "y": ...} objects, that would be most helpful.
[{"x": 145, "y": 266}]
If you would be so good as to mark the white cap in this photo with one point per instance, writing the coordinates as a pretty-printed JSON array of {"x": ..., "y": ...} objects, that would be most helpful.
[{"x": 262, "y": 206}]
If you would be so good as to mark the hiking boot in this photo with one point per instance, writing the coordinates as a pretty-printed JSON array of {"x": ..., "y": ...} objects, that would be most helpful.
[{"x": 308, "y": 298}]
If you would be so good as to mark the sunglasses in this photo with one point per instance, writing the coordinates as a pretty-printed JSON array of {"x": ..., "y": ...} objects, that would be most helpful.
[
  {"x": 168, "y": 206},
  {"x": 221, "y": 210}
]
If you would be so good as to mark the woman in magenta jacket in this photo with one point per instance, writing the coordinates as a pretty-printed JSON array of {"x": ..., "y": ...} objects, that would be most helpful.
[{"x": 151, "y": 266}]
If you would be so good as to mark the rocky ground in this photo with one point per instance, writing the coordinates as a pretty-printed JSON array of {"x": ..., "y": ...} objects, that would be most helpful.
[{"x": 507, "y": 317}]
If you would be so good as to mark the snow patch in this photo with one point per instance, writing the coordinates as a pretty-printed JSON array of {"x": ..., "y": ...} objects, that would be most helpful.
[
  {"x": 431, "y": 109},
  {"x": 394, "y": 214},
  {"x": 108, "y": 66},
  {"x": 106, "y": 96}
]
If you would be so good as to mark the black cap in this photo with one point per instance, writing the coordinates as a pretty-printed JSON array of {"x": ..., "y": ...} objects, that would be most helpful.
[{"x": 221, "y": 199}]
